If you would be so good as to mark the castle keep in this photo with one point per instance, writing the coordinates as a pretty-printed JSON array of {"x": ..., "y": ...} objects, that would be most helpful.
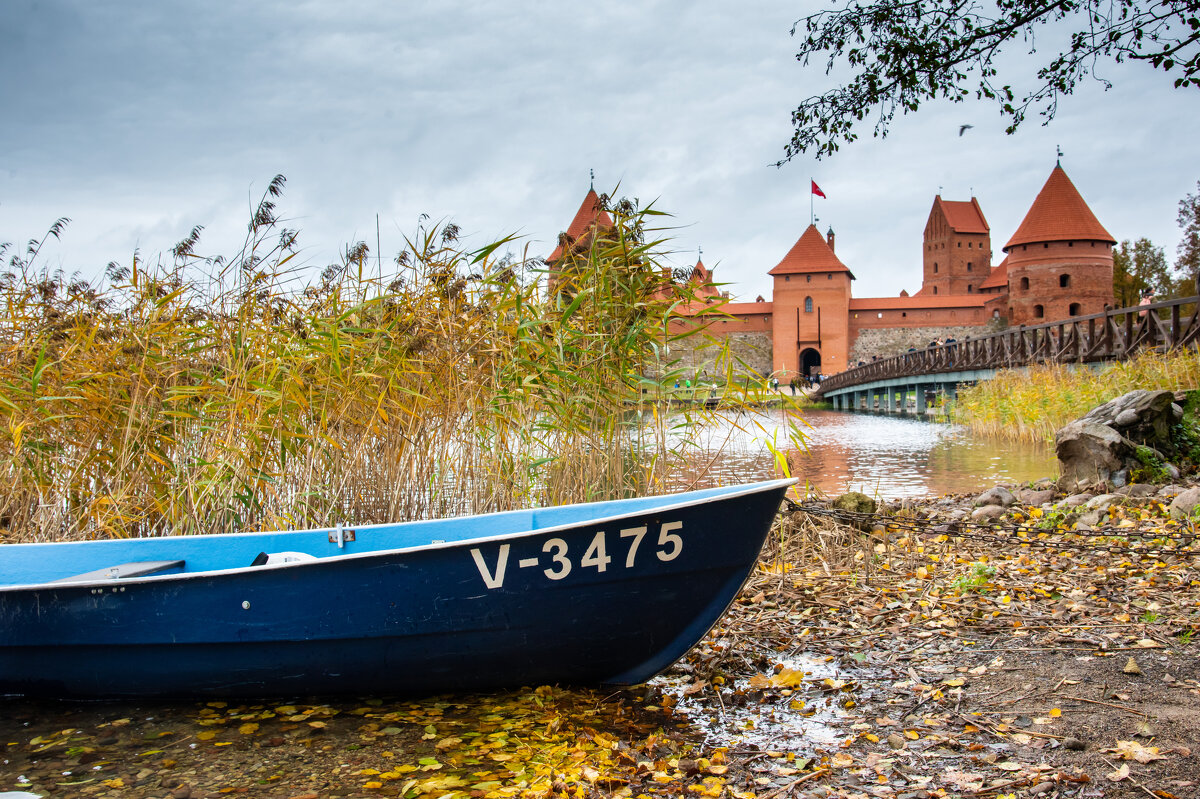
[{"x": 1058, "y": 263}]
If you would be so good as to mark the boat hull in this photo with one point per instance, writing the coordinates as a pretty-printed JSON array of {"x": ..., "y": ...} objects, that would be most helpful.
[{"x": 613, "y": 601}]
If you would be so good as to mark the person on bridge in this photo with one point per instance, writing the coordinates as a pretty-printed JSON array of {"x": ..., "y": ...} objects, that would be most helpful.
[{"x": 1147, "y": 298}]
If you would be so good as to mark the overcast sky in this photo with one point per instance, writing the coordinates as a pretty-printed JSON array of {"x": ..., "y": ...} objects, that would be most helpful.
[{"x": 139, "y": 120}]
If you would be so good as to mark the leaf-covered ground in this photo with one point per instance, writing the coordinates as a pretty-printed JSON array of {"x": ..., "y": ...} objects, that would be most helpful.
[{"x": 921, "y": 658}]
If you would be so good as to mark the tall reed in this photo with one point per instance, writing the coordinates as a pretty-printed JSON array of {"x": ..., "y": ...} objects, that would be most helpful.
[
  {"x": 1032, "y": 404},
  {"x": 214, "y": 394}
]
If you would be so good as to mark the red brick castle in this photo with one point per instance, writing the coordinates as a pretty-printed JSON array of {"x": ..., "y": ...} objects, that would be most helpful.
[{"x": 1058, "y": 263}]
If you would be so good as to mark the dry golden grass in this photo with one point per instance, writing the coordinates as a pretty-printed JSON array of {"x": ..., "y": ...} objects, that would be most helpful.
[
  {"x": 210, "y": 394},
  {"x": 1031, "y": 405}
]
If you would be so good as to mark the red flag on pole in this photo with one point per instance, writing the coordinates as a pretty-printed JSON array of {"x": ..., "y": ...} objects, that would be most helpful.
[{"x": 817, "y": 189}]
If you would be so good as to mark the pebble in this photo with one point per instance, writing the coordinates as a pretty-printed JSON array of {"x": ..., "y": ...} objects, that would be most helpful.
[
  {"x": 1041, "y": 788},
  {"x": 1074, "y": 744},
  {"x": 996, "y": 496},
  {"x": 1103, "y": 501},
  {"x": 987, "y": 513},
  {"x": 1031, "y": 497}
]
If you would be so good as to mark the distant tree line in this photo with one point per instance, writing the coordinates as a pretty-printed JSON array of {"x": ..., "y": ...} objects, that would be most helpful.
[{"x": 1141, "y": 266}]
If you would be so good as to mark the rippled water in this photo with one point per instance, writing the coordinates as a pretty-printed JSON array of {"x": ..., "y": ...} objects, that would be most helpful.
[{"x": 890, "y": 457}]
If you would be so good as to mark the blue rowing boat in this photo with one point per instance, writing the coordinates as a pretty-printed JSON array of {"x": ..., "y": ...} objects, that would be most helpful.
[{"x": 603, "y": 592}]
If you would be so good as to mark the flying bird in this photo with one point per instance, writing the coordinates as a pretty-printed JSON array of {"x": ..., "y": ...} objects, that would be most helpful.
[{"x": 964, "y": 128}]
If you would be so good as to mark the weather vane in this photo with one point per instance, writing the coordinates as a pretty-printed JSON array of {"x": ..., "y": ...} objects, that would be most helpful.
[
  {"x": 592, "y": 176},
  {"x": 1060, "y": 155}
]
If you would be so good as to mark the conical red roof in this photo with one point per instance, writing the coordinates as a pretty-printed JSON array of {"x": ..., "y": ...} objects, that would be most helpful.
[
  {"x": 1059, "y": 214},
  {"x": 587, "y": 219},
  {"x": 810, "y": 253},
  {"x": 702, "y": 277}
]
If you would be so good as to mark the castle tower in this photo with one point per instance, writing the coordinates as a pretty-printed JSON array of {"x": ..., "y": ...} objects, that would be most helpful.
[
  {"x": 1060, "y": 260},
  {"x": 957, "y": 252},
  {"x": 811, "y": 309},
  {"x": 702, "y": 282},
  {"x": 589, "y": 219}
]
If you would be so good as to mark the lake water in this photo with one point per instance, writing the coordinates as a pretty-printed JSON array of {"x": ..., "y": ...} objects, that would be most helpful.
[{"x": 889, "y": 457}]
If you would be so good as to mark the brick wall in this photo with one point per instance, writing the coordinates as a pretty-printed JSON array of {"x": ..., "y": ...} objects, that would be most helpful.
[{"x": 698, "y": 355}]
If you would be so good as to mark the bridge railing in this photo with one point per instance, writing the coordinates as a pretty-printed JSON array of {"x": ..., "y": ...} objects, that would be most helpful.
[{"x": 1109, "y": 336}]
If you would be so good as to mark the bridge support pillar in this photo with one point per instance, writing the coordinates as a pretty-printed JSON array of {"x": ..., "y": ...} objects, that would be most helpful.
[
  {"x": 837, "y": 402},
  {"x": 891, "y": 399},
  {"x": 920, "y": 390}
]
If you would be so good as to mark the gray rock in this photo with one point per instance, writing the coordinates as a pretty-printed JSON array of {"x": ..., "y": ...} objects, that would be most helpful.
[
  {"x": 1186, "y": 502},
  {"x": 987, "y": 513},
  {"x": 1090, "y": 519},
  {"x": 1126, "y": 418},
  {"x": 1103, "y": 501},
  {"x": 1028, "y": 496},
  {"x": 1101, "y": 448},
  {"x": 1075, "y": 500},
  {"x": 1170, "y": 491},
  {"x": 1172, "y": 470},
  {"x": 1137, "y": 490},
  {"x": 996, "y": 496},
  {"x": 1088, "y": 452}
]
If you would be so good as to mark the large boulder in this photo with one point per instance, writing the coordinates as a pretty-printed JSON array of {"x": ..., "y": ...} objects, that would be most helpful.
[
  {"x": 1127, "y": 436},
  {"x": 1089, "y": 454}
]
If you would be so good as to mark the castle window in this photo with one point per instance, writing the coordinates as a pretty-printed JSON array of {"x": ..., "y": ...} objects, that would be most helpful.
[
  {"x": 1039, "y": 312},
  {"x": 935, "y": 267},
  {"x": 1024, "y": 284},
  {"x": 787, "y": 278},
  {"x": 904, "y": 313},
  {"x": 880, "y": 314},
  {"x": 969, "y": 266},
  {"x": 969, "y": 244},
  {"x": 829, "y": 276},
  {"x": 808, "y": 304},
  {"x": 1074, "y": 310},
  {"x": 935, "y": 289},
  {"x": 1070, "y": 244},
  {"x": 808, "y": 278},
  {"x": 1064, "y": 281},
  {"x": 960, "y": 244},
  {"x": 970, "y": 289},
  {"x": 1046, "y": 246}
]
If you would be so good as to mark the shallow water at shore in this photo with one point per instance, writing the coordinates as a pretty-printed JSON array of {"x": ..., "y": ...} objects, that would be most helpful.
[{"x": 886, "y": 456}]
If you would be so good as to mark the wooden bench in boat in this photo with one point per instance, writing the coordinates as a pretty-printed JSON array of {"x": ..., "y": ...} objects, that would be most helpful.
[{"x": 123, "y": 571}]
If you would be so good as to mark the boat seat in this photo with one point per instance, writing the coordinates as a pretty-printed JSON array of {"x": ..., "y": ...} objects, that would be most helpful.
[
  {"x": 123, "y": 571},
  {"x": 271, "y": 558}
]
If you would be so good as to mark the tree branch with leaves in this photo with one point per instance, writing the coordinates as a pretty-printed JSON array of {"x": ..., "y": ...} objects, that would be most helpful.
[{"x": 903, "y": 53}]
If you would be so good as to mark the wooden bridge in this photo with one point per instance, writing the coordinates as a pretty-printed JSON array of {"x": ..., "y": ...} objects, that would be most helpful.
[{"x": 905, "y": 383}]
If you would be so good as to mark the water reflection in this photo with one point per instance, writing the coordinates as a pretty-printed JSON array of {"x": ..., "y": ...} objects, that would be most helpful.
[{"x": 886, "y": 456}]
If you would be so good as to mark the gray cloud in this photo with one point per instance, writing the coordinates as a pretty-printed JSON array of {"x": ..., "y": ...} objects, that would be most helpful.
[{"x": 139, "y": 120}]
